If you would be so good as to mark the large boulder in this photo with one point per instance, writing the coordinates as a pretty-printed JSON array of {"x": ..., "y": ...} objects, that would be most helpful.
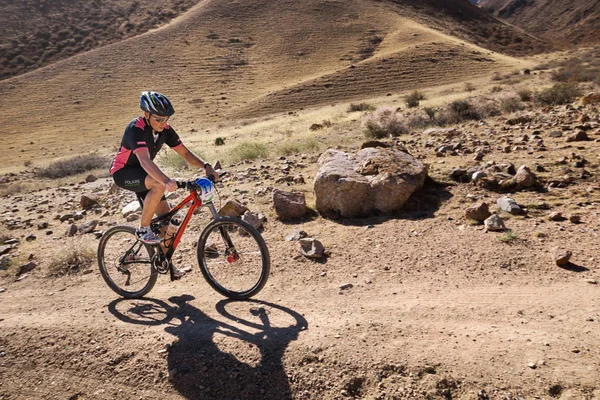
[{"x": 375, "y": 180}]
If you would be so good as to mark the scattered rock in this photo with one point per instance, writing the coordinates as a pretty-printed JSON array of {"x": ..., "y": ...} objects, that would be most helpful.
[
  {"x": 4, "y": 261},
  {"x": 130, "y": 208},
  {"x": 494, "y": 223},
  {"x": 311, "y": 248},
  {"x": 296, "y": 235},
  {"x": 71, "y": 230},
  {"x": 88, "y": 227},
  {"x": 478, "y": 212},
  {"x": 525, "y": 178},
  {"x": 253, "y": 219},
  {"x": 561, "y": 256},
  {"x": 509, "y": 205},
  {"x": 233, "y": 208},
  {"x": 579, "y": 136},
  {"x": 25, "y": 268},
  {"x": 289, "y": 205},
  {"x": 87, "y": 201}
]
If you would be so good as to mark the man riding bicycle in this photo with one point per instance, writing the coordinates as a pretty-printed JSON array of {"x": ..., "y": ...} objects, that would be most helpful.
[{"x": 133, "y": 167}]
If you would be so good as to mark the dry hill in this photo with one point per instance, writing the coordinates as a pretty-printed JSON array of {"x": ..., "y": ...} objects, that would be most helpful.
[
  {"x": 244, "y": 59},
  {"x": 571, "y": 21}
]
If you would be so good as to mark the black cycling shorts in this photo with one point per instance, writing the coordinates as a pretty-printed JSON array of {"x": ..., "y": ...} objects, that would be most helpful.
[{"x": 133, "y": 179}]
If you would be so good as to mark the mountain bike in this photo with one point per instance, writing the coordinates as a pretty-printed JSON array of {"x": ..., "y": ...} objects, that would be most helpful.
[{"x": 232, "y": 254}]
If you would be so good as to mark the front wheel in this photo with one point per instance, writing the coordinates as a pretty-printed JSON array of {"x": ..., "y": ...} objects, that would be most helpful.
[
  {"x": 233, "y": 258},
  {"x": 126, "y": 263}
]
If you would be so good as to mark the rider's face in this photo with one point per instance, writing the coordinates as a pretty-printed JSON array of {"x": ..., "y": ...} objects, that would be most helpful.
[{"x": 157, "y": 122}]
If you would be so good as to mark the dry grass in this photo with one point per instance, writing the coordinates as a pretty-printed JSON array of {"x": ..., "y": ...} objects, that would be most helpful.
[
  {"x": 72, "y": 262},
  {"x": 74, "y": 166}
]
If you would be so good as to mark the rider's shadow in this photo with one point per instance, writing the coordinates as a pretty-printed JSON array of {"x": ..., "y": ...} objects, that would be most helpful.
[{"x": 221, "y": 360}]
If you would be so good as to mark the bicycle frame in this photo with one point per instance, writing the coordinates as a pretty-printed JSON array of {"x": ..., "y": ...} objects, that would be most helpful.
[{"x": 194, "y": 202}]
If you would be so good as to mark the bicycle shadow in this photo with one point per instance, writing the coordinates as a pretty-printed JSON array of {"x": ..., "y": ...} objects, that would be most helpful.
[{"x": 212, "y": 359}]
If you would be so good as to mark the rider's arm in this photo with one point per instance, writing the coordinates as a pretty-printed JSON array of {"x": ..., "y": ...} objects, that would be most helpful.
[
  {"x": 191, "y": 158},
  {"x": 152, "y": 169}
]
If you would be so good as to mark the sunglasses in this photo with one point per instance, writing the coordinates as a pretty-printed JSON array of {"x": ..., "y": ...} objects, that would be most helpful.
[{"x": 161, "y": 120}]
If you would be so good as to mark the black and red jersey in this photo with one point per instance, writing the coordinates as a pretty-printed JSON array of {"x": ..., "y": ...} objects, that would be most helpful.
[{"x": 138, "y": 135}]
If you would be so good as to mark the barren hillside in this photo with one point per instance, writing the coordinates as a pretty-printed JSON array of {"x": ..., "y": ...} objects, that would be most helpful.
[
  {"x": 223, "y": 60},
  {"x": 574, "y": 21}
]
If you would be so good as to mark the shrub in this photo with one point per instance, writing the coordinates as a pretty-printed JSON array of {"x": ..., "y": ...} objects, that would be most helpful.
[
  {"x": 74, "y": 166},
  {"x": 361, "y": 107},
  {"x": 430, "y": 112},
  {"x": 525, "y": 94},
  {"x": 464, "y": 109},
  {"x": 219, "y": 141},
  {"x": 469, "y": 87},
  {"x": 511, "y": 104},
  {"x": 249, "y": 151},
  {"x": 497, "y": 89},
  {"x": 384, "y": 122},
  {"x": 560, "y": 93},
  {"x": 413, "y": 99},
  {"x": 508, "y": 237},
  {"x": 302, "y": 146},
  {"x": 72, "y": 262}
]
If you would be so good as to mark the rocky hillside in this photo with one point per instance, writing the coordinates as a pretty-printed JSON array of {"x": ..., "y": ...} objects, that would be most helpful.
[
  {"x": 35, "y": 33},
  {"x": 574, "y": 21}
]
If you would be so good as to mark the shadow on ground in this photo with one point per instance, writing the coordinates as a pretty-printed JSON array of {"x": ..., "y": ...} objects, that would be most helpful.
[{"x": 238, "y": 358}]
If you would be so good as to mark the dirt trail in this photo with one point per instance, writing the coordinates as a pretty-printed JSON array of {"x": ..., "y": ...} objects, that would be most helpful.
[{"x": 449, "y": 321}]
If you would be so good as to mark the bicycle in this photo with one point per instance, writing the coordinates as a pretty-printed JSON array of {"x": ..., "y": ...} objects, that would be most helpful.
[{"x": 237, "y": 271}]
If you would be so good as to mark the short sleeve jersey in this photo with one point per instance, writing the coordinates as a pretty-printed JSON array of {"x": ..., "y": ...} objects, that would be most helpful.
[{"x": 138, "y": 135}]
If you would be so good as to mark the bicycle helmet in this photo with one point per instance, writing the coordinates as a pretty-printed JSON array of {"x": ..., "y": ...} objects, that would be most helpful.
[{"x": 156, "y": 103}]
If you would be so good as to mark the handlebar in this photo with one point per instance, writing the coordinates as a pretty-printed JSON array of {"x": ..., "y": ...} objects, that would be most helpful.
[{"x": 188, "y": 184}]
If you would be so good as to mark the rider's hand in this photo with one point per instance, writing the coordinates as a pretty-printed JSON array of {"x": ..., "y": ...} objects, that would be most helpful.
[
  {"x": 210, "y": 171},
  {"x": 171, "y": 185}
]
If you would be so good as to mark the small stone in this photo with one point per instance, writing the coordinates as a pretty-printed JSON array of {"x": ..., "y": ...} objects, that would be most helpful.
[
  {"x": 346, "y": 286},
  {"x": 494, "y": 223},
  {"x": 2, "y": 290},
  {"x": 575, "y": 218},
  {"x": 532, "y": 365},
  {"x": 561, "y": 256}
]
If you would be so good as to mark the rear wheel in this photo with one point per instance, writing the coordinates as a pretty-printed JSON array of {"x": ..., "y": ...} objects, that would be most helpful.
[
  {"x": 233, "y": 258},
  {"x": 126, "y": 263}
]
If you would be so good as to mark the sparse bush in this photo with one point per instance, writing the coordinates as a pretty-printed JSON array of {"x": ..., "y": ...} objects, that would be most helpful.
[
  {"x": 430, "y": 112},
  {"x": 361, "y": 107},
  {"x": 511, "y": 104},
  {"x": 219, "y": 141},
  {"x": 308, "y": 145},
  {"x": 496, "y": 76},
  {"x": 508, "y": 236},
  {"x": 525, "y": 94},
  {"x": 72, "y": 262},
  {"x": 249, "y": 151},
  {"x": 464, "y": 109},
  {"x": 418, "y": 122},
  {"x": 384, "y": 122},
  {"x": 74, "y": 166},
  {"x": 560, "y": 93},
  {"x": 469, "y": 87},
  {"x": 497, "y": 89},
  {"x": 485, "y": 108},
  {"x": 413, "y": 99}
]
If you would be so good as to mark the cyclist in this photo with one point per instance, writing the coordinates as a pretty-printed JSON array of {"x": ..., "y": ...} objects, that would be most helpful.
[{"x": 133, "y": 168}]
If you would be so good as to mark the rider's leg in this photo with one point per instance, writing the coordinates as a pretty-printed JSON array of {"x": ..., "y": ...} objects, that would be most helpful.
[{"x": 153, "y": 202}]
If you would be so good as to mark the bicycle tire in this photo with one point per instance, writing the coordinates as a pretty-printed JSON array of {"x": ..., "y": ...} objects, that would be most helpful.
[
  {"x": 112, "y": 249},
  {"x": 227, "y": 269}
]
